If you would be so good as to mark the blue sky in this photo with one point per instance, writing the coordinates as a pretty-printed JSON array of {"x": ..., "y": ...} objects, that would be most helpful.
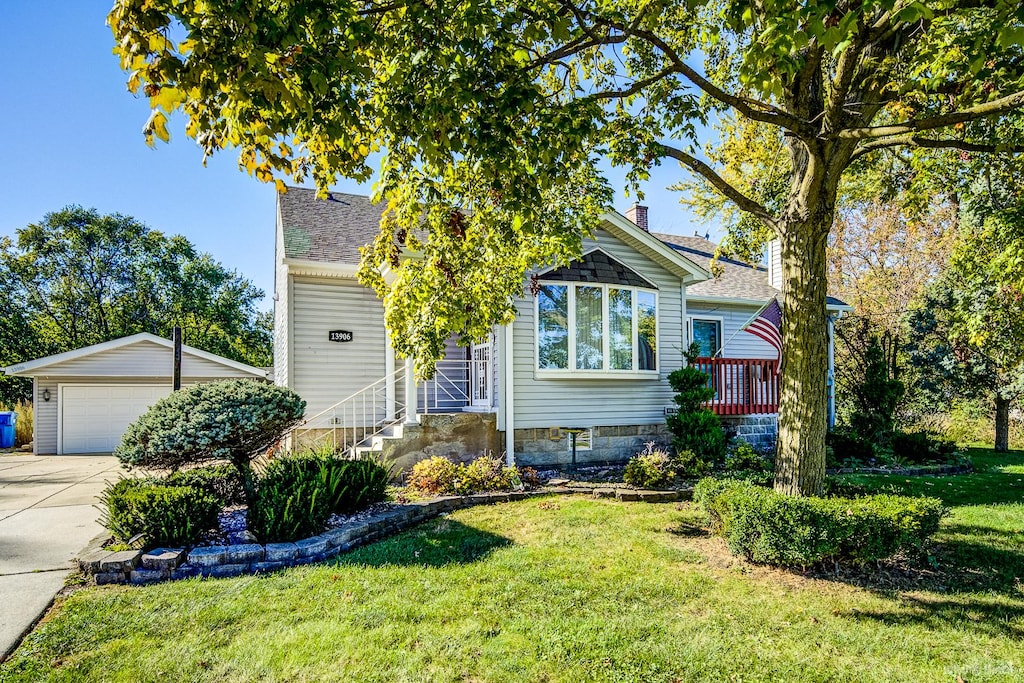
[{"x": 73, "y": 136}]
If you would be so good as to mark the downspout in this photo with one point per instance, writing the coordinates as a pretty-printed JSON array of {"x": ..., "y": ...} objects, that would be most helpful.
[
  {"x": 831, "y": 379},
  {"x": 509, "y": 407}
]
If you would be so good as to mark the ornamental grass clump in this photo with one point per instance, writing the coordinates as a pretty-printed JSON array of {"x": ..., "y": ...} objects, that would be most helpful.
[
  {"x": 652, "y": 468},
  {"x": 777, "y": 529},
  {"x": 297, "y": 494}
]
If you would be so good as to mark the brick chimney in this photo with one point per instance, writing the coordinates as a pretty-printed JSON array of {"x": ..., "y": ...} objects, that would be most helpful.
[{"x": 638, "y": 214}]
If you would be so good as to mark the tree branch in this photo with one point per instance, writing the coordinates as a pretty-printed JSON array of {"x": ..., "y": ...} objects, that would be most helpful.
[
  {"x": 741, "y": 200},
  {"x": 749, "y": 107},
  {"x": 997, "y": 106},
  {"x": 909, "y": 140},
  {"x": 636, "y": 86}
]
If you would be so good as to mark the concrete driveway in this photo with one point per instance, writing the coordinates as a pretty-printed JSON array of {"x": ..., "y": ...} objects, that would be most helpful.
[{"x": 47, "y": 515}]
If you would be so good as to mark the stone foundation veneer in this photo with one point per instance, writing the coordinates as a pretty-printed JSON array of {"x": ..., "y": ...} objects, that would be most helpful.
[
  {"x": 545, "y": 447},
  {"x": 760, "y": 431},
  {"x": 616, "y": 445}
]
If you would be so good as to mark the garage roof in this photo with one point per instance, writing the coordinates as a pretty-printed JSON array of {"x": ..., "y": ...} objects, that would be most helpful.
[{"x": 70, "y": 363}]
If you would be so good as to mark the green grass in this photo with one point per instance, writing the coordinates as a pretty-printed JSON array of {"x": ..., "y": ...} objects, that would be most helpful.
[{"x": 571, "y": 589}]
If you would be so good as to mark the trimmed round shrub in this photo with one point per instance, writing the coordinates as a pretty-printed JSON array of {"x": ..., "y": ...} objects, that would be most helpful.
[
  {"x": 744, "y": 458},
  {"x": 223, "y": 482},
  {"x": 234, "y": 420},
  {"x": 652, "y": 468},
  {"x": 689, "y": 465},
  {"x": 776, "y": 529},
  {"x": 172, "y": 516}
]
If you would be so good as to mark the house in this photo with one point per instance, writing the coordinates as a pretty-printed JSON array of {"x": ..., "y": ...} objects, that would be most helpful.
[
  {"x": 585, "y": 362},
  {"x": 85, "y": 399}
]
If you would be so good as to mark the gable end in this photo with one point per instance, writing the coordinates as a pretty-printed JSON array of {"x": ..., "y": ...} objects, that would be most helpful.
[{"x": 597, "y": 266}]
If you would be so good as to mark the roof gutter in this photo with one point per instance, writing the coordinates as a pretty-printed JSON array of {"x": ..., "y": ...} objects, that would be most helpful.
[{"x": 320, "y": 268}]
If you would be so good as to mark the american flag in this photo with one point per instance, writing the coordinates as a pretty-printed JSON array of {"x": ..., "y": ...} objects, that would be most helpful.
[{"x": 768, "y": 325}]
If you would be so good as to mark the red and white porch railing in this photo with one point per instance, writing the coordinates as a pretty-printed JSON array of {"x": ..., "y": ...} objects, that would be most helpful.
[{"x": 743, "y": 386}]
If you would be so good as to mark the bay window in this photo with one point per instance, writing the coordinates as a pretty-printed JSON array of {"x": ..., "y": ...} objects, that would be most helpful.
[{"x": 589, "y": 327}]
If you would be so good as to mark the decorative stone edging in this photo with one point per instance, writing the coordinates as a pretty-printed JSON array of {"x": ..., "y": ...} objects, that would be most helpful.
[
  {"x": 163, "y": 564},
  {"x": 923, "y": 470}
]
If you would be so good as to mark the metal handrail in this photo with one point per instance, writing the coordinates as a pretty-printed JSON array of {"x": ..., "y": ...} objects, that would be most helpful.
[{"x": 356, "y": 416}]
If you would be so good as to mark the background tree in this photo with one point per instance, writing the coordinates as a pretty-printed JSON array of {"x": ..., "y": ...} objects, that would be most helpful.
[
  {"x": 968, "y": 339},
  {"x": 883, "y": 254},
  {"x": 487, "y": 115},
  {"x": 18, "y": 342},
  {"x": 78, "y": 278}
]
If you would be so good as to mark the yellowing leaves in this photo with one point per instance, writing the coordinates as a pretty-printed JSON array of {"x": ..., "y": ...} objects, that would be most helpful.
[
  {"x": 156, "y": 126},
  {"x": 167, "y": 99}
]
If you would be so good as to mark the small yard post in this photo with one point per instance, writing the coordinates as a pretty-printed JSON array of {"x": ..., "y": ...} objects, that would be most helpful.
[{"x": 176, "y": 369}]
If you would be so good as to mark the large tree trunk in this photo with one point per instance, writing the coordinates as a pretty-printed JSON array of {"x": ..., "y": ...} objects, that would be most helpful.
[
  {"x": 1002, "y": 423},
  {"x": 803, "y": 399}
]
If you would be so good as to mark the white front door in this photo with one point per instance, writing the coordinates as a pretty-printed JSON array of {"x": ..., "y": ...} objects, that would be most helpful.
[
  {"x": 480, "y": 375},
  {"x": 93, "y": 417}
]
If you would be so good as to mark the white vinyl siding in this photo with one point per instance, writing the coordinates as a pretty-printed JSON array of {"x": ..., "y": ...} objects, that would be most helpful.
[
  {"x": 141, "y": 359},
  {"x": 325, "y": 372},
  {"x": 775, "y": 264},
  {"x": 736, "y": 343},
  {"x": 600, "y": 401}
]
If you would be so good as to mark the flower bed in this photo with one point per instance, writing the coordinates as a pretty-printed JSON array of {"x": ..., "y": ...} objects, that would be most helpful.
[{"x": 163, "y": 564}]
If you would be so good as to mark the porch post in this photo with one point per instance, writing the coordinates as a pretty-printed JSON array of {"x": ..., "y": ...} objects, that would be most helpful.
[
  {"x": 389, "y": 385},
  {"x": 509, "y": 407},
  {"x": 411, "y": 399}
]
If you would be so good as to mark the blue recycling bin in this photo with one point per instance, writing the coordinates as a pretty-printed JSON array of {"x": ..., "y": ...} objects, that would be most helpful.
[{"x": 7, "y": 420}]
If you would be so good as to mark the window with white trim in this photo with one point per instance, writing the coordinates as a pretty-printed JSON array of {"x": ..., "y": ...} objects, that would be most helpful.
[
  {"x": 707, "y": 332},
  {"x": 588, "y": 327}
]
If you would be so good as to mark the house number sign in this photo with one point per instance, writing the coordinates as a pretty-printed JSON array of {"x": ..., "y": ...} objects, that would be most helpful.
[{"x": 339, "y": 336}]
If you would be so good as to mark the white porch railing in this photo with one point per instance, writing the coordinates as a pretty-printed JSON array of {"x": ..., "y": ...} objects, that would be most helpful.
[
  {"x": 456, "y": 385},
  {"x": 382, "y": 406}
]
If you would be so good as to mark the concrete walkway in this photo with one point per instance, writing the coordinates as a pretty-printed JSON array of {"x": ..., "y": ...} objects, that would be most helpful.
[{"x": 47, "y": 515}]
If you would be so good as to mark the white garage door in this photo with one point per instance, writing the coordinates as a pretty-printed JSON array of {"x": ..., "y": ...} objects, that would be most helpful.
[{"x": 93, "y": 417}]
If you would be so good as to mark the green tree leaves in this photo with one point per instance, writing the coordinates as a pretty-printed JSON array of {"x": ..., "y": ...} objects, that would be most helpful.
[{"x": 78, "y": 277}]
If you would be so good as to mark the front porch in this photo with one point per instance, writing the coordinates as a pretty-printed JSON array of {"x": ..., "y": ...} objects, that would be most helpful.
[{"x": 743, "y": 386}]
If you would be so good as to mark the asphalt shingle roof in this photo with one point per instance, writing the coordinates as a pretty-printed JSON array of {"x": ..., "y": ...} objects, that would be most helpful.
[
  {"x": 332, "y": 230},
  {"x": 737, "y": 281}
]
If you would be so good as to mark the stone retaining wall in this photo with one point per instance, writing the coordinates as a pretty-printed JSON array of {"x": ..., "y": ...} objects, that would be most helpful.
[{"x": 162, "y": 564}]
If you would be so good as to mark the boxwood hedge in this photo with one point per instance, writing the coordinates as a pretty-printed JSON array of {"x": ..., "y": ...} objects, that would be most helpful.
[{"x": 776, "y": 529}]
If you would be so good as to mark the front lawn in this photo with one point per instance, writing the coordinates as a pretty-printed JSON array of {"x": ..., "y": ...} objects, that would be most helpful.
[{"x": 572, "y": 589}]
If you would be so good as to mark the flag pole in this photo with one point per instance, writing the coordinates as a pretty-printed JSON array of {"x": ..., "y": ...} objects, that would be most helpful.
[{"x": 744, "y": 326}]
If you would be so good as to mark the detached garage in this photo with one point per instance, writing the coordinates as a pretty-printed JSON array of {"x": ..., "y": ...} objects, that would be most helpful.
[{"x": 85, "y": 399}]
